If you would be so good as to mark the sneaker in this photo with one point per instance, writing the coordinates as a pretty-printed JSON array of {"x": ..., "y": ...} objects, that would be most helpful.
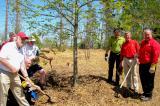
[{"x": 144, "y": 98}]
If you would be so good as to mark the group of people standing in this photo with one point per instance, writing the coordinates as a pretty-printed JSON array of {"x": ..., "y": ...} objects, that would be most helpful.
[
  {"x": 19, "y": 55},
  {"x": 128, "y": 53}
]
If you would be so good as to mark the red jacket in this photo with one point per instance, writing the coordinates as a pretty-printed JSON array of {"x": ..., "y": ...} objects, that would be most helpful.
[
  {"x": 129, "y": 49},
  {"x": 149, "y": 51}
]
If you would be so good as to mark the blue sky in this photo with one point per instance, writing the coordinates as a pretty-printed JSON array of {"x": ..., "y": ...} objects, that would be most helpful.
[
  {"x": 2, "y": 16},
  {"x": 24, "y": 27}
]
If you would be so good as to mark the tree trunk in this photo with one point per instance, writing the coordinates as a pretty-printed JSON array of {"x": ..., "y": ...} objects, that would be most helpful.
[
  {"x": 75, "y": 53},
  {"x": 17, "y": 27},
  {"x": 6, "y": 22},
  {"x": 61, "y": 29}
]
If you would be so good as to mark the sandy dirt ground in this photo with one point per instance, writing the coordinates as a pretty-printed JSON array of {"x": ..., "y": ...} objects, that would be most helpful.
[{"x": 92, "y": 88}]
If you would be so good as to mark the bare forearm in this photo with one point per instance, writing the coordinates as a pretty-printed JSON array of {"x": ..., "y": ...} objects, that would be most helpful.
[
  {"x": 23, "y": 69},
  {"x": 8, "y": 65}
]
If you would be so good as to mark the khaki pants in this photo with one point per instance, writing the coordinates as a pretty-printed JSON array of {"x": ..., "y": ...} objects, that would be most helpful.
[
  {"x": 12, "y": 81},
  {"x": 133, "y": 75}
]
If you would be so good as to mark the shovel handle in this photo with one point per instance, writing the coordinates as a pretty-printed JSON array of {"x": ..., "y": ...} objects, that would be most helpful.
[{"x": 33, "y": 84}]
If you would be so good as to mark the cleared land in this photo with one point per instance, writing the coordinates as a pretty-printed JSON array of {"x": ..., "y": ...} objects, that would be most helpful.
[{"x": 92, "y": 89}]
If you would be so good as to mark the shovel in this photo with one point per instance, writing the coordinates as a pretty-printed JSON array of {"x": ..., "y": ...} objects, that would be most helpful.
[
  {"x": 39, "y": 89},
  {"x": 118, "y": 90}
]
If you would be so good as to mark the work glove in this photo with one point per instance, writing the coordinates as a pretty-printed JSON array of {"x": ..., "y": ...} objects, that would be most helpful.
[
  {"x": 31, "y": 84},
  {"x": 29, "y": 81},
  {"x": 153, "y": 68},
  {"x": 24, "y": 84},
  {"x": 106, "y": 57}
]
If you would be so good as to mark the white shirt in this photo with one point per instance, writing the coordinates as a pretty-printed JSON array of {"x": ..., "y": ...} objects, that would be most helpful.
[
  {"x": 12, "y": 54},
  {"x": 30, "y": 51}
]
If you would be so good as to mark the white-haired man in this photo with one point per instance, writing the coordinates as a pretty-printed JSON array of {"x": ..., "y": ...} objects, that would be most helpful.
[
  {"x": 32, "y": 52},
  {"x": 148, "y": 58}
]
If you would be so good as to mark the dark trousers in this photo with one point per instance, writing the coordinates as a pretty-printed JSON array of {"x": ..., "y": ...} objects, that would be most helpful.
[
  {"x": 147, "y": 79},
  {"x": 112, "y": 59}
]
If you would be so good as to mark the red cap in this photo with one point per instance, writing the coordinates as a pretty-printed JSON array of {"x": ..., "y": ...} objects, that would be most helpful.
[{"x": 22, "y": 35}]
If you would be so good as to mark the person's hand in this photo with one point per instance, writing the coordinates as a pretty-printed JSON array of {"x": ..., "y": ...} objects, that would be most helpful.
[
  {"x": 106, "y": 57},
  {"x": 136, "y": 56},
  {"x": 24, "y": 84},
  {"x": 29, "y": 81},
  {"x": 28, "y": 63},
  {"x": 120, "y": 70},
  {"x": 153, "y": 68},
  {"x": 137, "y": 60}
]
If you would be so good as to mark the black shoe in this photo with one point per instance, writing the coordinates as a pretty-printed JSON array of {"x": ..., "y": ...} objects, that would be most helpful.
[
  {"x": 136, "y": 95},
  {"x": 131, "y": 90},
  {"x": 110, "y": 81},
  {"x": 117, "y": 84},
  {"x": 126, "y": 94}
]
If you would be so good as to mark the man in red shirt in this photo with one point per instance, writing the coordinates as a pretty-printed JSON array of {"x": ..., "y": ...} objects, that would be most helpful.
[
  {"x": 148, "y": 58},
  {"x": 128, "y": 54}
]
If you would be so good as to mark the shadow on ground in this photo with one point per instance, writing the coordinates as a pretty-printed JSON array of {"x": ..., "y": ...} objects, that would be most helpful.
[
  {"x": 56, "y": 80},
  {"x": 124, "y": 92}
]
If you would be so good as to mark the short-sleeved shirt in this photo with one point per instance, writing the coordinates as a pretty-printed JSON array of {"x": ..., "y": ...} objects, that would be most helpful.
[
  {"x": 129, "y": 49},
  {"x": 30, "y": 51},
  {"x": 114, "y": 44},
  {"x": 12, "y": 54}
]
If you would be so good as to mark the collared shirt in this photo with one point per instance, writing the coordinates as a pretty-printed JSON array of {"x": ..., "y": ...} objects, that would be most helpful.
[
  {"x": 114, "y": 44},
  {"x": 30, "y": 51},
  {"x": 149, "y": 51},
  {"x": 12, "y": 54},
  {"x": 129, "y": 49}
]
